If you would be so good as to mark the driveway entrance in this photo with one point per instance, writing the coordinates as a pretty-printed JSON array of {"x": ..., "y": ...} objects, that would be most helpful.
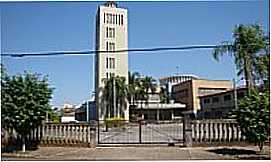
[{"x": 140, "y": 132}]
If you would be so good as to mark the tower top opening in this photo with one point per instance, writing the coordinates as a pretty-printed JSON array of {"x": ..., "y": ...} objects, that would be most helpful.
[{"x": 110, "y": 4}]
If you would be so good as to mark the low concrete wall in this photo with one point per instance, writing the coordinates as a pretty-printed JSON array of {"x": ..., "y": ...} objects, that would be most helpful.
[
  {"x": 212, "y": 132},
  {"x": 61, "y": 134},
  {"x": 68, "y": 134},
  {"x": 204, "y": 131}
]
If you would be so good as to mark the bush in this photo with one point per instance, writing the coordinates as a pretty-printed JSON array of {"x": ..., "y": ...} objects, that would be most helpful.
[
  {"x": 114, "y": 122},
  {"x": 253, "y": 116}
]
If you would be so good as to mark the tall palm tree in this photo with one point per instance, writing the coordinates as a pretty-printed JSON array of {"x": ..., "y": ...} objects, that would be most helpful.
[
  {"x": 248, "y": 41},
  {"x": 121, "y": 95},
  {"x": 114, "y": 91},
  {"x": 107, "y": 98},
  {"x": 132, "y": 86}
]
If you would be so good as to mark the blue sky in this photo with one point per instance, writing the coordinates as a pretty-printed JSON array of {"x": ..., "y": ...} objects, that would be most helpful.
[{"x": 69, "y": 26}]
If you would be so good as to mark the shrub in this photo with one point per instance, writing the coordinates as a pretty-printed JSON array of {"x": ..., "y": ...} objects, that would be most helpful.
[{"x": 115, "y": 122}]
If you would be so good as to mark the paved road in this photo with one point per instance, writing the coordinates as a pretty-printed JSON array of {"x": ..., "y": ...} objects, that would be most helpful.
[
  {"x": 140, "y": 153},
  {"x": 118, "y": 153}
]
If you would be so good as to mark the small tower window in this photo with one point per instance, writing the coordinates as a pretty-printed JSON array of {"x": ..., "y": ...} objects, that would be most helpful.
[
  {"x": 121, "y": 19},
  {"x": 113, "y": 18}
]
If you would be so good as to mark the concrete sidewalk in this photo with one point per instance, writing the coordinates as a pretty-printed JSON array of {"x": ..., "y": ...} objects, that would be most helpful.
[{"x": 121, "y": 153}]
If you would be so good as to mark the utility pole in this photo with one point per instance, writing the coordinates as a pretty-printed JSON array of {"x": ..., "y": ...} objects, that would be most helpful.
[{"x": 235, "y": 94}]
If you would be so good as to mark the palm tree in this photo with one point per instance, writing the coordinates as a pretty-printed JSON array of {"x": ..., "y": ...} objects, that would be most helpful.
[
  {"x": 248, "y": 41},
  {"x": 120, "y": 96},
  {"x": 149, "y": 84},
  {"x": 164, "y": 97},
  {"x": 132, "y": 86},
  {"x": 107, "y": 97}
]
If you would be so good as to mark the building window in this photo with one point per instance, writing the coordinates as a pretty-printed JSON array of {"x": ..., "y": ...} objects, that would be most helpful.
[
  {"x": 112, "y": 75},
  {"x": 112, "y": 63},
  {"x": 116, "y": 21},
  {"x": 106, "y": 32},
  {"x": 104, "y": 18},
  {"x": 113, "y": 19},
  {"x": 113, "y": 32},
  {"x": 206, "y": 100},
  {"x": 107, "y": 63},
  {"x": 111, "y": 46},
  {"x": 110, "y": 33},
  {"x": 121, "y": 19},
  {"x": 215, "y": 99},
  {"x": 227, "y": 97},
  {"x": 106, "y": 75},
  {"x": 107, "y": 18}
]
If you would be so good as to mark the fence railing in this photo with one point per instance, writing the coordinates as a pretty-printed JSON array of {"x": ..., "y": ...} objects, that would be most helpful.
[
  {"x": 81, "y": 134},
  {"x": 224, "y": 130},
  {"x": 67, "y": 134}
]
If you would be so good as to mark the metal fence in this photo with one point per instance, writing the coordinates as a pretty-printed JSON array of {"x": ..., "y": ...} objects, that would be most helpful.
[{"x": 140, "y": 132}]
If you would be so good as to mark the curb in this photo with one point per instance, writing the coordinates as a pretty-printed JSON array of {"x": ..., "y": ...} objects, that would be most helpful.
[{"x": 17, "y": 155}]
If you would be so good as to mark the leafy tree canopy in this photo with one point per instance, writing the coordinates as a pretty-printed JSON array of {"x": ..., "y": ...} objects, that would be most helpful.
[
  {"x": 253, "y": 116},
  {"x": 25, "y": 101},
  {"x": 250, "y": 43}
]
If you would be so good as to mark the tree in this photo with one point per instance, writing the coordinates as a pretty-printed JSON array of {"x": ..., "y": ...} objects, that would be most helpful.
[
  {"x": 132, "y": 86},
  {"x": 25, "y": 101},
  {"x": 148, "y": 84},
  {"x": 253, "y": 116},
  {"x": 107, "y": 97},
  {"x": 262, "y": 66},
  {"x": 53, "y": 116},
  {"x": 251, "y": 53},
  {"x": 164, "y": 97},
  {"x": 249, "y": 40},
  {"x": 120, "y": 96}
]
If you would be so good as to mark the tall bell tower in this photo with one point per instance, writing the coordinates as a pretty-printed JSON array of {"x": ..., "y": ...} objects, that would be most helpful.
[{"x": 111, "y": 35}]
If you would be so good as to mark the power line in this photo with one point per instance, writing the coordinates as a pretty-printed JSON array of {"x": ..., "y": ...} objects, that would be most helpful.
[{"x": 93, "y": 52}]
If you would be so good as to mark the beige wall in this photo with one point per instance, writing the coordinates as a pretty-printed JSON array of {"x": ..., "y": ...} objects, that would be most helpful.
[
  {"x": 121, "y": 43},
  {"x": 192, "y": 87},
  {"x": 214, "y": 84}
]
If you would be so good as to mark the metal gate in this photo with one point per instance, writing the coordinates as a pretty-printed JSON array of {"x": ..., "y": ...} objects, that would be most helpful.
[{"x": 140, "y": 132}]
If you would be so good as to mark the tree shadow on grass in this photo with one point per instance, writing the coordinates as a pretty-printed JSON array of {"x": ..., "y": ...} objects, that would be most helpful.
[{"x": 242, "y": 154}]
